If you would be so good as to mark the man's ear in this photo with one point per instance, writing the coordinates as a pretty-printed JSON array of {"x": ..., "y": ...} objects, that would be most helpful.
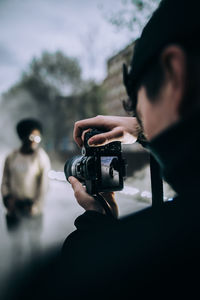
[{"x": 173, "y": 60}]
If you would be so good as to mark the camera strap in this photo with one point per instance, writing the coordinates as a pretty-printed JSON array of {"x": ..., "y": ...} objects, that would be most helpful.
[
  {"x": 156, "y": 183},
  {"x": 105, "y": 205}
]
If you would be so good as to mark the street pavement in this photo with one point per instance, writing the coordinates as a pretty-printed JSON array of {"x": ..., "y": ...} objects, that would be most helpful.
[{"x": 60, "y": 212}]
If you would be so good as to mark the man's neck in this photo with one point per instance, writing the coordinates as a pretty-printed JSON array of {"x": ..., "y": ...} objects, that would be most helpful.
[{"x": 26, "y": 150}]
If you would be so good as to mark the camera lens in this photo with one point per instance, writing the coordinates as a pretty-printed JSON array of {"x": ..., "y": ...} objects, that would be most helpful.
[
  {"x": 81, "y": 167},
  {"x": 72, "y": 167}
]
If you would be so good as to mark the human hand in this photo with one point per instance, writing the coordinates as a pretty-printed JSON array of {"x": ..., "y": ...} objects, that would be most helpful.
[
  {"x": 34, "y": 210},
  {"x": 90, "y": 203},
  {"x": 123, "y": 129},
  {"x": 10, "y": 204}
]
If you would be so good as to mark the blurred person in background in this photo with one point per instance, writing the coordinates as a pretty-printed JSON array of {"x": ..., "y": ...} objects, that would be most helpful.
[{"x": 25, "y": 176}]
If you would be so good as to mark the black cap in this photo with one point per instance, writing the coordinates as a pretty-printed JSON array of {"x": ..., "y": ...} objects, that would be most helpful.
[
  {"x": 175, "y": 21},
  {"x": 26, "y": 126}
]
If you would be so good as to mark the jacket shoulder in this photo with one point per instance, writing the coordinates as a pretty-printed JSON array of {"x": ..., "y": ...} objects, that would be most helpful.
[
  {"x": 11, "y": 155},
  {"x": 43, "y": 158}
]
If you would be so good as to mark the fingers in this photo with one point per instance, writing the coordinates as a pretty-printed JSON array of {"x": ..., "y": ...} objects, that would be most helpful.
[
  {"x": 79, "y": 191},
  {"x": 115, "y": 134},
  {"x": 88, "y": 202},
  {"x": 101, "y": 139},
  {"x": 83, "y": 198},
  {"x": 122, "y": 129},
  {"x": 81, "y": 126},
  {"x": 84, "y": 132}
]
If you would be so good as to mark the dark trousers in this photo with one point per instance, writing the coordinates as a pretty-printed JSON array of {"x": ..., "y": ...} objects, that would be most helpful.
[
  {"x": 24, "y": 232},
  {"x": 22, "y": 209}
]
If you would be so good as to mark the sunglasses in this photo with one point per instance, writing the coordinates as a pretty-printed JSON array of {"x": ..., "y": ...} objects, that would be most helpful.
[{"x": 35, "y": 138}]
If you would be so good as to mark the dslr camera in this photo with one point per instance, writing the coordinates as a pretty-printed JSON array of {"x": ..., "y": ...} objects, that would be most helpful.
[{"x": 100, "y": 169}]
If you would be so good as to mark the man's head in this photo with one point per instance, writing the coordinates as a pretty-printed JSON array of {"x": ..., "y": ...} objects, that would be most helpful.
[
  {"x": 163, "y": 83},
  {"x": 29, "y": 131}
]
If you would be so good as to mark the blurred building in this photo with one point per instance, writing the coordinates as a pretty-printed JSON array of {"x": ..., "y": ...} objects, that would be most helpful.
[
  {"x": 115, "y": 93},
  {"x": 68, "y": 114},
  {"x": 71, "y": 109},
  {"x": 113, "y": 83}
]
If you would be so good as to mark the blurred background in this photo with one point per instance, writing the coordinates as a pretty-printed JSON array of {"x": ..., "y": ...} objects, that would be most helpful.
[{"x": 61, "y": 61}]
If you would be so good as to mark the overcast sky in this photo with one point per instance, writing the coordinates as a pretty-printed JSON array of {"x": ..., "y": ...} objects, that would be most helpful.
[{"x": 76, "y": 27}]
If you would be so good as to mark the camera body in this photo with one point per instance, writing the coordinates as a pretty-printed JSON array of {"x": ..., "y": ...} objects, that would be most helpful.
[{"x": 100, "y": 169}]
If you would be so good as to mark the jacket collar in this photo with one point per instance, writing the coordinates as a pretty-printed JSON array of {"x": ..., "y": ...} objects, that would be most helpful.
[{"x": 177, "y": 151}]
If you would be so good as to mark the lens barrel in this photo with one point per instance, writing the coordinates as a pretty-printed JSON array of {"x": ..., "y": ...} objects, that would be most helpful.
[{"x": 70, "y": 167}]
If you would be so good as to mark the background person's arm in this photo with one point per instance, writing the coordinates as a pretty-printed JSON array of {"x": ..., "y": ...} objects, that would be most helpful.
[
  {"x": 7, "y": 197},
  {"x": 43, "y": 184}
]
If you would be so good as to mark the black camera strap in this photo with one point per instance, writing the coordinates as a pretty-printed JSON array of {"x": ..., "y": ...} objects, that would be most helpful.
[
  {"x": 156, "y": 178},
  {"x": 156, "y": 183},
  {"x": 104, "y": 204}
]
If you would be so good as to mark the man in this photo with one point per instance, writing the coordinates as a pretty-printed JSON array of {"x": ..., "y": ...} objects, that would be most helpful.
[
  {"x": 25, "y": 175},
  {"x": 156, "y": 250},
  {"x": 153, "y": 253}
]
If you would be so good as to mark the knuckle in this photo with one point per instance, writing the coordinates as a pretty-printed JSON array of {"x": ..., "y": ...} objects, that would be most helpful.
[
  {"x": 120, "y": 131},
  {"x": 99, "y": 117},
  {"x": 76, "y": 124}
]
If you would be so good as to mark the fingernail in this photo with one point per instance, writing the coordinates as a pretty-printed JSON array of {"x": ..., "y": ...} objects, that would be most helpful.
[{"x": 91, "y": 142}]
